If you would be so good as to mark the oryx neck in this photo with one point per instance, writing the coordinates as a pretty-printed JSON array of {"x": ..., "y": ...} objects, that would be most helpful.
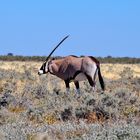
[{"x": 49, "y": 69}]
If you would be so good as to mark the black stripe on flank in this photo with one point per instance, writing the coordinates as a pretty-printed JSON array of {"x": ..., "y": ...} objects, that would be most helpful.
[
  {"x": 76, "y": 73},
  {"x": 72, "y": 78}
]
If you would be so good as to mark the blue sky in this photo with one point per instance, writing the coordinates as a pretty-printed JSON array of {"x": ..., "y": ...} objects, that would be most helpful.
[{"x": 96, "y": 27}]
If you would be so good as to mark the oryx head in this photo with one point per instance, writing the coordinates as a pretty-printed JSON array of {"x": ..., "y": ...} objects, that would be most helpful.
[{"x": 45, "y": 66}]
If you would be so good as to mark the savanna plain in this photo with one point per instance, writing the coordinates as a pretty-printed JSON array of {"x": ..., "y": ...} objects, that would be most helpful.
[{"x": 36, "y": 107}]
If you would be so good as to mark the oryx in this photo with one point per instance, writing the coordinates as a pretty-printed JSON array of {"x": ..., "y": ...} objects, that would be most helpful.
[{"x": 73, "y": 68}]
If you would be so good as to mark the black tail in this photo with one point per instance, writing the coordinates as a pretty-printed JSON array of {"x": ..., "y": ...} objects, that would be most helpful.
[{"x": 100, "y": 78}]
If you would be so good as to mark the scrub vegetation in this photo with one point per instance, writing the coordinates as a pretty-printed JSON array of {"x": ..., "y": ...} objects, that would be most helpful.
[
  {"x": 36, "y": 107},
  {"x": 107, "y": 59}
]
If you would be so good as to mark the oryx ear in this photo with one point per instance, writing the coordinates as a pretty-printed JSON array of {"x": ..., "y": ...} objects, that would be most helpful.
[{"x": 56, "y": 48}]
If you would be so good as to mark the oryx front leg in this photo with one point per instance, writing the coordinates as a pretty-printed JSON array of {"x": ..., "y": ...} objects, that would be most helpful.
[
  {"x": 77, "y": 87},
  {"x": 67, "y": 86}
]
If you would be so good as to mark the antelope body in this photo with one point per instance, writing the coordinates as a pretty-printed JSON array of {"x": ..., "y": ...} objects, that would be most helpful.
[{"x": 73, "y": 68}]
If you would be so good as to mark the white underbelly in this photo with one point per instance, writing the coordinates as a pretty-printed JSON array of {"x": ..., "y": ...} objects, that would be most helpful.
[{"x": 80, "y": 77}]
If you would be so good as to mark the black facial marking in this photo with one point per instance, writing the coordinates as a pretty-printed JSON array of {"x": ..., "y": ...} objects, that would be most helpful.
[{"x": 43, "y": 67}]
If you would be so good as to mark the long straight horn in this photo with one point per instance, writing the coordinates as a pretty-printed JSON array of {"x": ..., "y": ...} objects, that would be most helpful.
[{"x": 56, "y": 47}]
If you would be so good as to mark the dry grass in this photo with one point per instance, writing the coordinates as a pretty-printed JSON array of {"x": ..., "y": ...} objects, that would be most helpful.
[
  {"x": 41, "y": 101},
  {"x": 110, "y": 71}
]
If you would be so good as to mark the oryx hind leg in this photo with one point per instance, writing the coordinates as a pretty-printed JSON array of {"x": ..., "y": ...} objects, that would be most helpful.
[
  {"x": 94, "y": 78},
  {"x": 91, "y": 81}
]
